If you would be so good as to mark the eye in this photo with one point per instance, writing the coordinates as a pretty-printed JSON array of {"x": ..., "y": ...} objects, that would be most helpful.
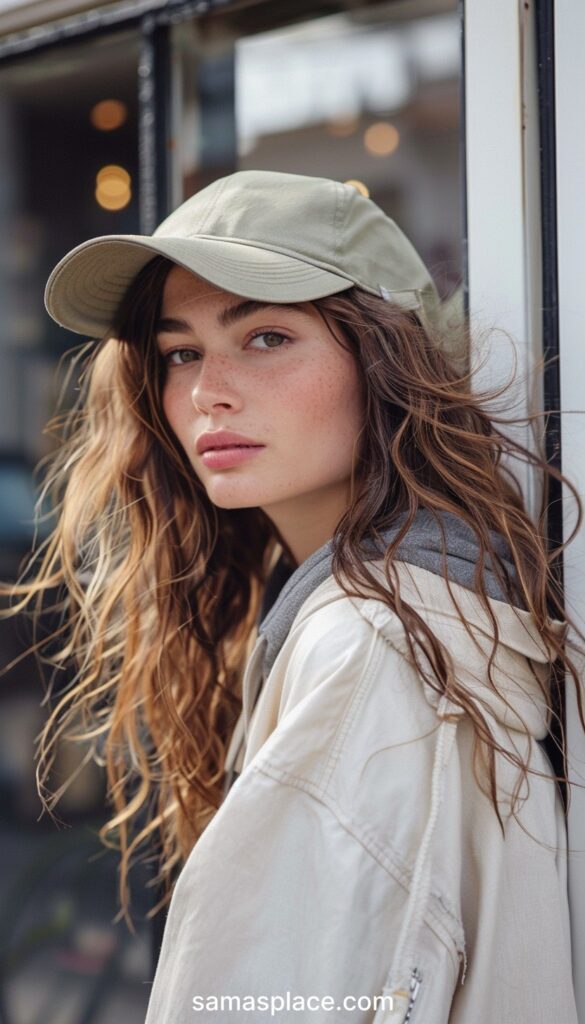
[
  {"x": 180, "y": 356},
  {"x": 272, "y": 334}
]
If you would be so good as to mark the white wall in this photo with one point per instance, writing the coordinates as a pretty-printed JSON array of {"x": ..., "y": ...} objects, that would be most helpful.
[
  {"x": 505, "y": 272},
  {"x": 503, "y": 203},
  {"x": 570, "y": 101}
]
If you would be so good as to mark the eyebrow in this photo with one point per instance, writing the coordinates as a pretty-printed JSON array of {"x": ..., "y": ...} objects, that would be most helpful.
[{"x": 231, "y": 314}]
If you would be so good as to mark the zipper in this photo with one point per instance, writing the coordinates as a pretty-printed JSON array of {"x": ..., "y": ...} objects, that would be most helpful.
[{"x": 414, "y": 988}]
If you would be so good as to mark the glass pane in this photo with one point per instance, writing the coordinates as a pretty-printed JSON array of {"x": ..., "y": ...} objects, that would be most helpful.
[
  {"x": 372, "y": 96},
  {"x": 369, "y": 95},
  {"x": 203, "y": 126},
  {"x": 68, "y": 170}
]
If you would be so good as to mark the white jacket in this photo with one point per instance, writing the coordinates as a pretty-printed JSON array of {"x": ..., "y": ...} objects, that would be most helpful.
[{"x": 356, "y": 856}]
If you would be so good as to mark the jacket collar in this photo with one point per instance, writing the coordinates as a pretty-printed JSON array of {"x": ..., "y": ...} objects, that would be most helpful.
[
  {"x": 520, "y": 703},
  {"x": 522, "y": 700},
  {"x": 439, "y": 542}
]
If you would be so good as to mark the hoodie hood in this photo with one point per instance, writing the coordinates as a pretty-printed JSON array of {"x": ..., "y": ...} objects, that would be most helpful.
[{"x": 430, "y": 538}]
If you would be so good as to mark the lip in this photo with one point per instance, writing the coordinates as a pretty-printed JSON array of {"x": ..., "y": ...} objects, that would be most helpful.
[
  {"x": 223, "y": 458},
  {"x": 223, "y": 439}
]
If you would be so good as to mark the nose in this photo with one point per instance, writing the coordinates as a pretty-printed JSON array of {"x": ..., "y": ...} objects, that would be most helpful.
[{"x": 216, "y": 385}]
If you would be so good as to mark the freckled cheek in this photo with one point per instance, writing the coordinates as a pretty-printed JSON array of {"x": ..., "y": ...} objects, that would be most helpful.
[
  {"x": 316, "y": 417},
  {"x": 330, "y": 402},
  {"x": 294, "y": 404}
]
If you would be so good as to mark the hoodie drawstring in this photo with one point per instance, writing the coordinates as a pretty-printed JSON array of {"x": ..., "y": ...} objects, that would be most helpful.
[{"x": 404, "y": 978}]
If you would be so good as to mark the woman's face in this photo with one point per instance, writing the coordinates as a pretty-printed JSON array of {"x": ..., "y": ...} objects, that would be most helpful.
[{"x": 275, "y": 375}]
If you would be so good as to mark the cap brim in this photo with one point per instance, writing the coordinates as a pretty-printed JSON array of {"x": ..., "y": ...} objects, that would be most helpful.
[{"x": 86, "y": 287}]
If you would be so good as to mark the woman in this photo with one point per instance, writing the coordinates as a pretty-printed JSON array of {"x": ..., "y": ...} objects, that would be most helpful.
[{"x": 311, "y": 621}]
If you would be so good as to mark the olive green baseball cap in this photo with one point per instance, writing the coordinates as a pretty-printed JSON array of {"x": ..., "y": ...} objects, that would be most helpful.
[{"x": 265, "y": 235}]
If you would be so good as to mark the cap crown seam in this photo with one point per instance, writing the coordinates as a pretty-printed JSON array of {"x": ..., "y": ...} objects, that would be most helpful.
[
  {"x": 213, "y": 204},
  {"x": 337, "y": 220}
]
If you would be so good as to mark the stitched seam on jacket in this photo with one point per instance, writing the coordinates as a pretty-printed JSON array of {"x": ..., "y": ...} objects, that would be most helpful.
[
  {"x": 441, "y": 920},
  {"x": 349, "y": 716},
  {"x": 321, "y": 786}
]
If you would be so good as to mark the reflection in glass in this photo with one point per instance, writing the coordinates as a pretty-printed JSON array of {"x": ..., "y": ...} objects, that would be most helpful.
[{"x": 367, "y": 95}]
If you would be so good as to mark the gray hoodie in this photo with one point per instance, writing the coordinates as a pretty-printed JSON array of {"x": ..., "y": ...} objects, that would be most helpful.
[{"x": 423, "y": 546}]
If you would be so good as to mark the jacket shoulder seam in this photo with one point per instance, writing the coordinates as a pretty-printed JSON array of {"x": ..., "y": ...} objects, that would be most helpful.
[{"x": 348, "y": 718}]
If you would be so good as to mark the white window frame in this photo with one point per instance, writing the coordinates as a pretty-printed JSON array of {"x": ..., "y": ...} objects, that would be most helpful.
[
  {"x": 570, "y": 153},
  {"x": 505, "y": 279}
]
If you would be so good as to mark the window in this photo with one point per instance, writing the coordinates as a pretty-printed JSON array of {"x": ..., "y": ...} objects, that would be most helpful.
[{"x": 105, "y": 131}]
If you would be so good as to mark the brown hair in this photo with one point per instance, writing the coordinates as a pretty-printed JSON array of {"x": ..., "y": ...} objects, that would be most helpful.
[{"x": 159, "y": 591}]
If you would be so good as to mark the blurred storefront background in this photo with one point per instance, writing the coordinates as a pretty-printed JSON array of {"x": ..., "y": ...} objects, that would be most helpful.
[{"x": 109, "y": 117}]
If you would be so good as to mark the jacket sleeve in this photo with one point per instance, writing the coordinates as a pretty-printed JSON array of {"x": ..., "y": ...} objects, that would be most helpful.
[
  {"x": 282, "y": 900},
  {"x": 278, "y": 900}
]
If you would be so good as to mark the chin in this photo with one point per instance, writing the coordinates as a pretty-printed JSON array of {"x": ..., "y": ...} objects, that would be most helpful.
[{"x": 232, "y": 500}]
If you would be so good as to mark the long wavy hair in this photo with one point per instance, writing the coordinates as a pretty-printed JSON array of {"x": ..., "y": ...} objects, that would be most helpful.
[{"x": 159, "y": 592}]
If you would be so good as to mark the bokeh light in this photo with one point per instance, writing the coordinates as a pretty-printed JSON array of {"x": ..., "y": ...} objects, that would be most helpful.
[
  {"x": 113, "y": 187},
  {"x": 381, "y": 139},
  {"x": 107, "y": 115}
]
